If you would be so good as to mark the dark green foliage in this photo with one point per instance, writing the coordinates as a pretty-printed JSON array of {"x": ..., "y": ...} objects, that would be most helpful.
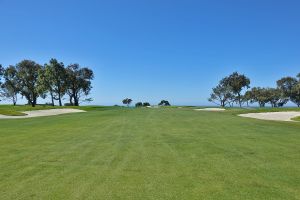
[
  {"x": 27, "y": 75},
  {"x": 139, "y": 104},
  {"x": 31, "y": 80},
  {"x": 229, "y": 90},
  {"x": 164, "y": 103},
  {"x": 246, "y": 98},
  {"x": 259, "y": 95},
  {"x": 290, "y": 87},
  {"x": 145, "y": 104},
  {"x": 127, "y": 101},
  {"x": 79, "y": 83},
  {"x": 221, "y": 94},
  {"x": 275, "y": 97},
  {"x": 236, "y": 82},
  {"x": 11, "y": 86},
  {"x": 53, "y": 79},
  {"x": 1, "y": 73},
  {"x": 262, "y": 96}
]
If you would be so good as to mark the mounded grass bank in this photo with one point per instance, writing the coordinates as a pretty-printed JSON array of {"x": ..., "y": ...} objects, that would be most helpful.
[
  {"x": 18, "y": 109},
  {"x": 296, "y": 119}
]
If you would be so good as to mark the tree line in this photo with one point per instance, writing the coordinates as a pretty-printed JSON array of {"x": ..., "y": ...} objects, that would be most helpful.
[
  {"x": 31, "y": 80},
  {"x": 128, "y": 101},
  {"x": 235, "y": 89}
]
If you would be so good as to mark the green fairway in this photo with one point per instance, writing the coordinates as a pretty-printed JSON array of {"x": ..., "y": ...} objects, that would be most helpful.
[{"x": 164, "y": 153}]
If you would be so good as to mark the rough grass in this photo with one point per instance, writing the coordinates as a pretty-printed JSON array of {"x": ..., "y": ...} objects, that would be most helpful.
[
  {"x": 119, "y": 153},
  {"x": 296, "y": 119}
]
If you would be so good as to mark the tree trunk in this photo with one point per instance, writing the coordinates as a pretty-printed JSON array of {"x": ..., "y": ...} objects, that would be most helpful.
[
  {"x": 33, "y": 103},
  {"x": 14, "y": 100},
  {"x": 71, "y": 100},
  {"x": 52, "y": 99},
  {"x": 59, "y": 99},
  {"x": 239, "y": 98},
  {"x": 76, "y": 103},
  {"x": 222, "y": 104}
]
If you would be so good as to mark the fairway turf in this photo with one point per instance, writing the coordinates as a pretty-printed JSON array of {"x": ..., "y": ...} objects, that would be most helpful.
[{"x": 119, "y": 153}]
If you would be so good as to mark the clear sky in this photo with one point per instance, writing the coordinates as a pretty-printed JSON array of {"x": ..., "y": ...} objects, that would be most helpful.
[{"x": 150, "y": 50}]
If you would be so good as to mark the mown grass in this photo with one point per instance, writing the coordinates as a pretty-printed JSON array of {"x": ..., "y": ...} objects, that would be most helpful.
[
  {"x": 119, "y": 153},
  {"x": 18, "y": 109}
]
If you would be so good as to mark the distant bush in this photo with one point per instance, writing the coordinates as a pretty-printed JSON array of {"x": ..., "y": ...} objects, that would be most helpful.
[
  {"x": 145, "y": 104},
  {"x": 68, "y": 104},
  {"x": 164, "y": 103},
  {"x": 139, "y": 104}
]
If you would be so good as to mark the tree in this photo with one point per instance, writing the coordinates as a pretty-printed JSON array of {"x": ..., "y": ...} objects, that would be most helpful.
[
  {"x": 164, "y": 103},
  {"x": 27, "y": 76},
  {"x": 11, "y": 86},
  {"x": 127, "y": 101},
  {"x": 139, "y": 104},
  {"x": 286, "y": 85},
  {"x": 54, "y": 80},
  {"x": 290, "y": 88},
  {"x": 78, "y": 83},
  {"x": 275, "y": 98},
  {"x": 237, "y": 82},
  {"x": 259, "y": 95},
  {"x": 1, "y": 73},
  {"x": 295, "y": 97},
  {"x": 246, "y": 98},
  {"x": 145, "y": 104},
  {"x": 221, "y": 94}
]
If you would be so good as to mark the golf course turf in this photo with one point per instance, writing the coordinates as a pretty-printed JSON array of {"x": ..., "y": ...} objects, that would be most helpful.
[{"x": 164, "y": 153}]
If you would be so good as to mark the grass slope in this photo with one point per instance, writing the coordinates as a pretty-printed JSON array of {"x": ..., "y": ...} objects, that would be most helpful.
[
  {"x": 18, "y": 109},
  {"x": 118, "y": 153}
]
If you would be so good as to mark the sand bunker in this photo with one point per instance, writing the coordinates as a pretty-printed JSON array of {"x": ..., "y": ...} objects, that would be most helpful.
[
  {"x": 42, "y": 113},
  {"x": 211, "y": 109},
  {"x": 275, "y": 116}
]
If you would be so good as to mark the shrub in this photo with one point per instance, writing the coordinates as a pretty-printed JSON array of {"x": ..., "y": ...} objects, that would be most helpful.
[
  {"x": 145, "y": 104},
  {"x": 139, "y": 104}
]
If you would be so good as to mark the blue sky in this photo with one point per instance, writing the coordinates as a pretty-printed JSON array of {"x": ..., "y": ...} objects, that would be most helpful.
[{"x": 150, "y": 50}]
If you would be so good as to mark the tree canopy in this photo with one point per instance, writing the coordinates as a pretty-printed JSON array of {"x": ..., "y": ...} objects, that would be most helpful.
[
  {"x": 127, "y": 101},
  {"x": 32, "y": 80},
  {"x": 236, "y": 83},
  {"x": 11, "y": 86},
  {"x": 290, "y": 88},
  {"x": 221, "y": 94},
  {"x": 27, "y": 75},
  {"x": 53, "y": 79},
  {"x": 230, "y": 90},
  {"x": 139, "y": 104},
  {"x": 164, "y": 103},
  {"x": 79, "y": 83}
]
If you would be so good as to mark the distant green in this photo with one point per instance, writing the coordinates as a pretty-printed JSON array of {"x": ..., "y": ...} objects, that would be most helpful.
[{"x": 149, "y": 153}]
